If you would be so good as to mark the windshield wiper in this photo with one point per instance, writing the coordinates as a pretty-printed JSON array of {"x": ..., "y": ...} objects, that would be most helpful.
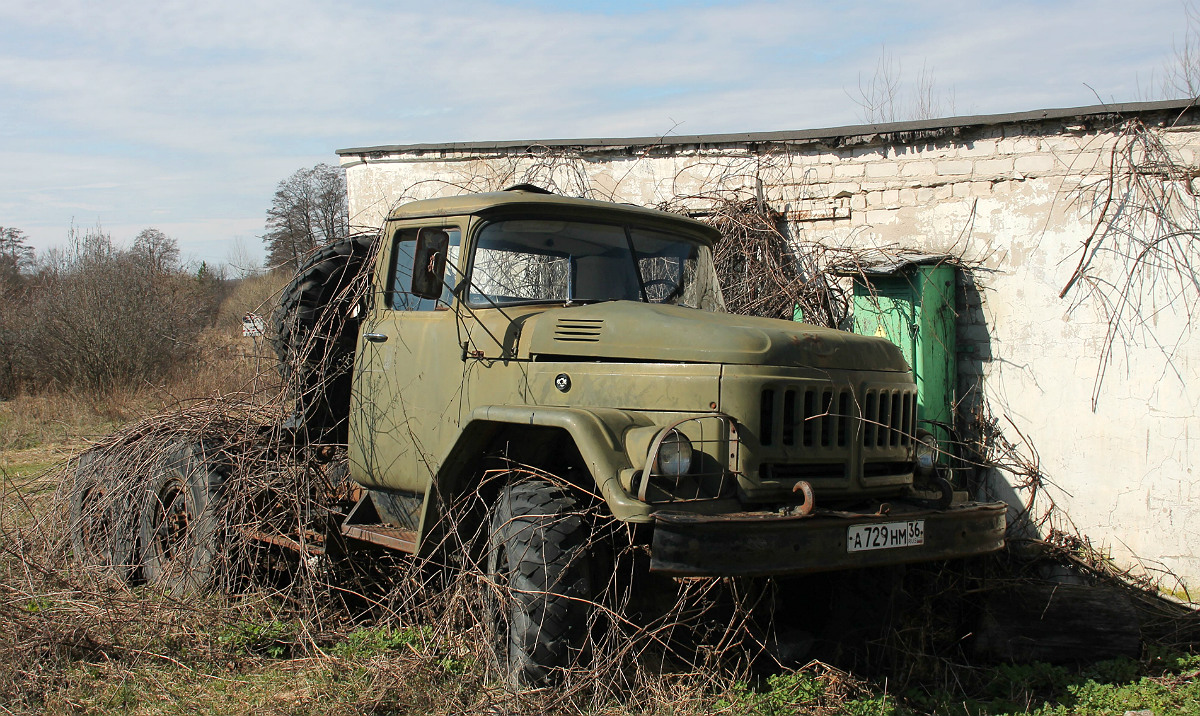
[{"x": 585, "y": 301}]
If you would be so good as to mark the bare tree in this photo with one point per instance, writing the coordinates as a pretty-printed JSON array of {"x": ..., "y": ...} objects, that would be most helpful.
[
  {"x": 15, "y": 259},
  {"x": 927, "y": 100},
  {"x": 886, "y": 98},
  {"x": 309, "y": 210},
  {"x": 877, "y": 97},
  {"x": 97, "y": 317},
  {"x": 1179, "y": 77},
  {"x": 241, "y": 261},
  {"x": 1181, "y": 74},
  {"x": 156, "y": 251}
]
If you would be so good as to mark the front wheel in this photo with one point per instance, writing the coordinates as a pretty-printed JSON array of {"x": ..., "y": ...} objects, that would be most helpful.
[{"x": 540, "y": 583}]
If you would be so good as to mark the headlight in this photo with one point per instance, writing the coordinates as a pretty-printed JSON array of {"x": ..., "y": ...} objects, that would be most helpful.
[
  {"x": 674, "y": 455},
  {"x": 667, "y": 464},
  {"x": 926, "y": 453}
]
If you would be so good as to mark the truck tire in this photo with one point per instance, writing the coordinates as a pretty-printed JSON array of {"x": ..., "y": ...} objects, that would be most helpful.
[
  {"x": 103, "y": 517},
  {"x": 314, "y": 330},
  {"x": 179, "y": 529},
  {"x": 539, "y": 582}
]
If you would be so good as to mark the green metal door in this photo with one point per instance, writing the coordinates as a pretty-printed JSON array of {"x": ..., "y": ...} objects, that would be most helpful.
[{"x": 912, "y": 305}]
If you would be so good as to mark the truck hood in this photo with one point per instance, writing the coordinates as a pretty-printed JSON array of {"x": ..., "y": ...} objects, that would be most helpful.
[{"x": 633, "y": 331}]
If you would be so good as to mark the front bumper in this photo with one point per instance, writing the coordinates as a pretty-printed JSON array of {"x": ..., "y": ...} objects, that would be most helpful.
[{"x": 767, "y": 543}]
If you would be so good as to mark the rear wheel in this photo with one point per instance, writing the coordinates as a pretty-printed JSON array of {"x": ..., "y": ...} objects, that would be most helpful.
[
  {"x": 539, "y": 582},
  {"x": 103, "y": 517},
  {"x": 179, "y": 528}
]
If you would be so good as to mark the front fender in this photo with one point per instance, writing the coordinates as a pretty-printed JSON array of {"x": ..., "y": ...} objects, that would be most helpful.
[{"x": 597, "y": 435}]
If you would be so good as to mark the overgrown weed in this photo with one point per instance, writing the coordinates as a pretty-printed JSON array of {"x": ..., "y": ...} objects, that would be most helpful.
[
  {"x": 75, "y": 642},
  {"x": 74, "y": 639}
]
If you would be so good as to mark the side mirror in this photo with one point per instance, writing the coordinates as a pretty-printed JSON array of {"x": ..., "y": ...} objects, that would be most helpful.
[{"x": 429, "y": 263}]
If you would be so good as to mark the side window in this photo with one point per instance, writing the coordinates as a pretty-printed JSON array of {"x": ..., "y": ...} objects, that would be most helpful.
[{"x": 404, "y": 246}]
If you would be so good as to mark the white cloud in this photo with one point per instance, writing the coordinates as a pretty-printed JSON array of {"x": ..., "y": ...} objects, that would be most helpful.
[{"x": 132, "y": 110}]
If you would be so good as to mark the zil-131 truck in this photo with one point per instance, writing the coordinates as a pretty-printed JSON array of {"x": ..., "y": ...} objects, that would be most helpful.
[{"x": 587, "y": 343}]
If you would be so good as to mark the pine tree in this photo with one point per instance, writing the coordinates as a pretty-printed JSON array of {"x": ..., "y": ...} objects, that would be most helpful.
[{"x": 15, "y": 256}]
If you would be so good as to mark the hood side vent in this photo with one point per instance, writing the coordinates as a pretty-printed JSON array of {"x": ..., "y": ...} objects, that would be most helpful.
[{"x": 577, "y": 330}]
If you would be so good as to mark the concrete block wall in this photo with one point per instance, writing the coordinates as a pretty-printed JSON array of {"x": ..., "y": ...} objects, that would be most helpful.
[{"x": 1007, "y": 197}]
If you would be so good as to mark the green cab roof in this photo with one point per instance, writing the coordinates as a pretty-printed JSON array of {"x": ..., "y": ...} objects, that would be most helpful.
[{"x": 521, "y": 198}]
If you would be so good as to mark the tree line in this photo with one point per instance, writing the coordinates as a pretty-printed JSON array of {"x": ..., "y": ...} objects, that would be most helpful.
[{"x": 93, "y": 316}]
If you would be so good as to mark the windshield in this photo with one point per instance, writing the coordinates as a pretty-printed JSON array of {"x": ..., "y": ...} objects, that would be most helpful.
[{"x": 540, "y": 260}]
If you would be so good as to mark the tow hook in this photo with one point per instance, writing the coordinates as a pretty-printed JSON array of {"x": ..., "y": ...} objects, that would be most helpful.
[
  {"x": 945, "y": 491},
  {"x": 804, "y": 508}
]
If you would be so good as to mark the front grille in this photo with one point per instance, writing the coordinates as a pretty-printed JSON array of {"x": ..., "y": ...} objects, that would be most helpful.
[
  {"x": 575, "y": 330},
  {"x": 889, "y": 417},
  {"x": 830, "y": 417},
  {"x": 808, "y": 417}
]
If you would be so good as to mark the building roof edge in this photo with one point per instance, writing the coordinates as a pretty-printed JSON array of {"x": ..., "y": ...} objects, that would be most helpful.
[{"x": 801, "y": 135}]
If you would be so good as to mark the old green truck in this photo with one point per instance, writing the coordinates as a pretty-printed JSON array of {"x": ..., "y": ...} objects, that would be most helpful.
[{"x": 587, "y": 343}]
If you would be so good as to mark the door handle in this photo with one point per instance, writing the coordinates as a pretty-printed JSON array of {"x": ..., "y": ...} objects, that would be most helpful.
[{"x": 375, "y": 337}]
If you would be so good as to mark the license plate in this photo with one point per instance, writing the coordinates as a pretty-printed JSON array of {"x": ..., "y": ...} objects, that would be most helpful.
[{"x": 860, "y": 538}]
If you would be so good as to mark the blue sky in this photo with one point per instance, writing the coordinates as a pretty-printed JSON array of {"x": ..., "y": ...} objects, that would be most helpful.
[{"x": 184, "y": 115}]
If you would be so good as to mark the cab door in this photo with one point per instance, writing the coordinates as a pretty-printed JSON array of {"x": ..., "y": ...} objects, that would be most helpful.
[{"x": 408, "y": 372}]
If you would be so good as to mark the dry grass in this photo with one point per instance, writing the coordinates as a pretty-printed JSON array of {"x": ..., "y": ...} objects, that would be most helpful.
[
  {"x": 254, "y": 294},
  {"x": 62, "y": 421},
  {"x": 394, "y": 635},
  {"x": 38, "y": 421}
]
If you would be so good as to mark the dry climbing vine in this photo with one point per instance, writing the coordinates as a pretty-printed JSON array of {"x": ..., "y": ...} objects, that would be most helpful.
[{"x": 1142, "y": 256}]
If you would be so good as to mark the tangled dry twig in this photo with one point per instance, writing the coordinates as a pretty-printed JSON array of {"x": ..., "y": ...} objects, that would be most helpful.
[{"x": 1142, "y": 256}]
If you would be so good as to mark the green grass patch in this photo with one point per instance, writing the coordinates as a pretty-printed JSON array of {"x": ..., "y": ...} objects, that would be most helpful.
[
  {"x": 1167, "y": 684},
  {"x": 366, "y": 642},
  {"x": 272, "y": 638},
  {"x": 37, "y": 605},
  {"x": 18, "y": 470},
  {"x": 169, "y": 689},
  {"x": 804, "y": 692},
  {"x": 281, "y": 639},
  {"x": 309, "y": 685}
]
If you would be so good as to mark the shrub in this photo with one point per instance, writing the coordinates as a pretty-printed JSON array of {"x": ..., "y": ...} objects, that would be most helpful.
[{"x": 95, "y": 317}]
